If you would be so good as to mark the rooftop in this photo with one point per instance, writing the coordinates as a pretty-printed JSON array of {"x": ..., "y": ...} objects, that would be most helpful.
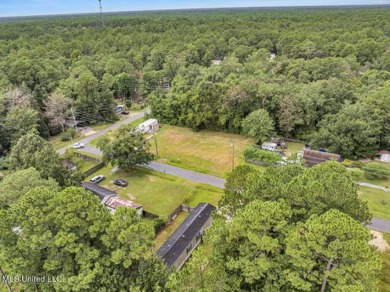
[
  {"x": 116, "y": 202},
  {"x": 186, "y": 232},
  {"x": 103, "y": 193}
]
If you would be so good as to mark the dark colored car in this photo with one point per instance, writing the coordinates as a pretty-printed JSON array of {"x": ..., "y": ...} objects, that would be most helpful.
[
  {"x": 125, "y": 112},
  {"x": 120, "y": 182}
]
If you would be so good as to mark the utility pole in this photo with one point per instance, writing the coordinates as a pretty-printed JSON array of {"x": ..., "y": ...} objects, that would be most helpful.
[
  {"x": 155, "y": 141},
  {"x": 74, "y": 119},
  {"x": 232, "y": 145},
  {"x": 101, "y": 11}
]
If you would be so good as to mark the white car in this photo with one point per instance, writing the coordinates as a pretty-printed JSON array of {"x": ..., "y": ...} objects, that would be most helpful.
[
  {"x": 97, "y": 179},
  {"x": 78, "y": 145}
]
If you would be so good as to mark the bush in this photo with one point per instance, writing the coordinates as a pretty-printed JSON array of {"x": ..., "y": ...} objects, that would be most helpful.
[
  {"x": 137, "y": 106},
  {"x": 3, "y": 163},
  {"x": 375, "y": 170},
  {"x": 128, "y": 103},
  {"x": 68, "y": 134},
  {"x": 257, "y": 155},
  {"x": 356, "y": 175}
]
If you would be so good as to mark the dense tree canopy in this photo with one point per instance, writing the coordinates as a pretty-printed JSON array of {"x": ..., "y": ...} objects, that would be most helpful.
[{"x": 320, "y": 71}]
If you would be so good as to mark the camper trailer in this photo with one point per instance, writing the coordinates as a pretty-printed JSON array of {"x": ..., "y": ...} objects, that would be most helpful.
[
  {"x": 269, "y": 146},
  {"x": 149, "y": 126}
]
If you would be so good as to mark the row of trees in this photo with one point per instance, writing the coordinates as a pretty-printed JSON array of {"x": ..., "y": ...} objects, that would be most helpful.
[
  {"x": 320, "y": 72},
  {"x": 68, "y": 235},
  {"x": 288, "y": 229}
]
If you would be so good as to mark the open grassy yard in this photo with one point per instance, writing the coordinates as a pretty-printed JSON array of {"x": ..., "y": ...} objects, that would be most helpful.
[
  {"x": 205, "y": 151},
  {"x": 58, "y": 143},
  {"x": 157, "y": 192},
  {"x": 374, "y": 198}
]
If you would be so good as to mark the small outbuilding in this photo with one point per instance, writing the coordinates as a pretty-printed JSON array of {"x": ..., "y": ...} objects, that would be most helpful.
[
  {"x": 115, "y": 202},
  {"x": 270, "y": 146},
  {"x": 314, "y": 157},
  {"x": 178, "y": 248},
  {"x": 383, "y": 156}
]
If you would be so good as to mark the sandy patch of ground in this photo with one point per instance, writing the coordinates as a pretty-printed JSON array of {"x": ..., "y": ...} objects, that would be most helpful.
[
  {"x": 87, "y": 131},
  {"x": 379, "y": 241}
]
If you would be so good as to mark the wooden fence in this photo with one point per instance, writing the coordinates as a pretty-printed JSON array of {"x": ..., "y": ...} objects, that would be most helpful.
[
  {"x": 87, "y": 157},
  {"x": 94, "y": 169},
  {"x": 170, "y": 217}
]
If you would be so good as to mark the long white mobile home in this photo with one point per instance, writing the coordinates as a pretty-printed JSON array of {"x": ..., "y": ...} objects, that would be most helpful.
[{"x": 149, "y": 126}]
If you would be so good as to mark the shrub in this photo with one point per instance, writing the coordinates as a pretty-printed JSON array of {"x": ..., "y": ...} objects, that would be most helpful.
[
  {"x": 377, "y": 170},
  {"x": 257, "y": 155},
  {"x": 128, "y": 103},
  {"x": 137, "y": 107},
  {"x": 69, "y": 134}
]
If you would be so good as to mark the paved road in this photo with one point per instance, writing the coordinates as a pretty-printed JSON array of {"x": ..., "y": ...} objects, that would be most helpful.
[
  {"x": 176, "y": 171},
  {"x": 364, "y": 184},
  {"x": 379, "y": 225},
  {"x": 376, "y": 223},
  {"x": 88, "y": 139}
]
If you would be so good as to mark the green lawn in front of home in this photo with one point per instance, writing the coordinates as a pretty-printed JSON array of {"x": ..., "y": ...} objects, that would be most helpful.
[
  {"x": 57, "y": 142},
  {"x": 157, "y": 192},
  {"x": 374, "y": 199}
]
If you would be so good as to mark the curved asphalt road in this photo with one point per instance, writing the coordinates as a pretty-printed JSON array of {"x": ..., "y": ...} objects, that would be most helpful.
[{"x": 376, "y": 223}]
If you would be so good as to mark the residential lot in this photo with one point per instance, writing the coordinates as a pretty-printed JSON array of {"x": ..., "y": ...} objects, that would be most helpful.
[
  {"x": 205, "y": 151},
  {"x": 157, "y": 192},
  {"x": 378, "y": 201}
]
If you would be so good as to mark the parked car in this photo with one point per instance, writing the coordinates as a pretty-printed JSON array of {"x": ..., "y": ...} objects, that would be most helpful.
[
  {"x": 97, "y": 179},
  {"x": 120, "y": 182},
  {"x": 78, "y": 145},
  {"x": 125, "y": 112}
]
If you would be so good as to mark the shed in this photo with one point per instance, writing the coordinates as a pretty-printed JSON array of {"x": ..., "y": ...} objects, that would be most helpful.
[
  {"x": 115, "y": 202},
  {"x": 314, "y": 157},
  {"x": 178, "y": 248},
  {"x": 103, "y": 193},
  {"x": 383, "y": 155}
]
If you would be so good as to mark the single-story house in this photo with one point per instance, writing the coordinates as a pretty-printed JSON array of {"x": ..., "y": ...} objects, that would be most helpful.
[
  {"x": 149, "y": 126},
  {"x": 383, "y": 156},
  {"x": 314, "y": 157},
  {"x": 115, "y": 202},
  {"x": 110, "y": 198},
  {"x": 103, "y": 193},
  {"x": 178, "y": 248}
]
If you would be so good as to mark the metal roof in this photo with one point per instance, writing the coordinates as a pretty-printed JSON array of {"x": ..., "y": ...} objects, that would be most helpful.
[
  {"x": 116, "y": 202},
  {"x": 103, "y": 193},
  {"x": 181, "y": 238}
]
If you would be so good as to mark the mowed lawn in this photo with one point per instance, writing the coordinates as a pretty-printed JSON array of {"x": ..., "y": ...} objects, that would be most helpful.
[
  {"x": 157, "y": 192},
  {"x": 205, "y": 151},
  {"x": 374, "y": 199}
]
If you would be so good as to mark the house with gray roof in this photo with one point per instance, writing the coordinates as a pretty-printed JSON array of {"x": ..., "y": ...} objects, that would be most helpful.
[{"x": 178, "y": 248}]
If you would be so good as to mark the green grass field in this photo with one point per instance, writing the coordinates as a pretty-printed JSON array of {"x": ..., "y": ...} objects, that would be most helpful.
[
  {"x": 374, "y": 198},
  {"x": 157, "y": 192},
  {"x": 205, "y": 151}
]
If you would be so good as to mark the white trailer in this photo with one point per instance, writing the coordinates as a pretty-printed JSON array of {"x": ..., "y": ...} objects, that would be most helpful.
[
  {"x": 269, "y": 146},
  {"x": 149, "y": 126}
]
